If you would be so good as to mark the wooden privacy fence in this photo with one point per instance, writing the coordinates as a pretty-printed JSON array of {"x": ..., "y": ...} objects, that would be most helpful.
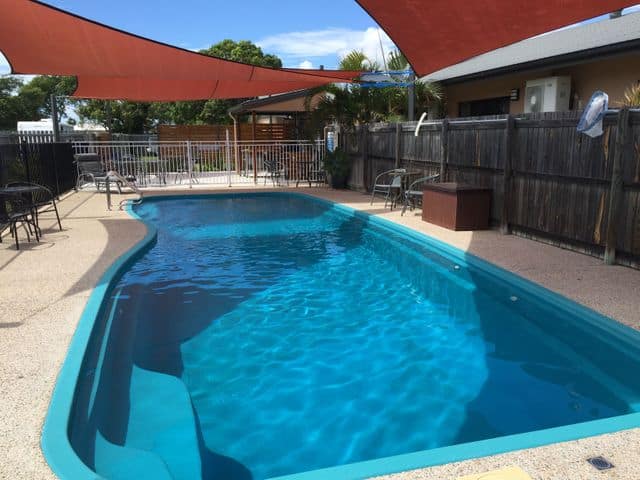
[
  {"x": 210, "y": 133},
  {"x": 548, "y": 180}
]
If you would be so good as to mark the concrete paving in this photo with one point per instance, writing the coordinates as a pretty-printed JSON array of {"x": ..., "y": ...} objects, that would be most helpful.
[{"x": 44, "y": 287}]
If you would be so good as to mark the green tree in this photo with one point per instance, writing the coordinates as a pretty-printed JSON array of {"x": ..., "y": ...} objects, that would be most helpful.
[
  {"x": 242, "y": 51},
  {"x": 354, "y": 104},
  {"x": 35, "y": 96},
  {"x": 357, "y": 60},
  {"x": 32, "y": 100},
  {"x": 10, "y": 108},
  {"x": 215, "y": 111},
  {"x": 119, "y": 116}
]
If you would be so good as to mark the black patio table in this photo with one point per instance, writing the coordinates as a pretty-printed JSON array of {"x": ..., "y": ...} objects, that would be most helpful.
[
  {"x": 20, "y": 189},
  {"x": 25, "y": 192}
]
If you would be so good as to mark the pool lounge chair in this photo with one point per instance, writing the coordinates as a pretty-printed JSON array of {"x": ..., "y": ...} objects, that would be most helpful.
[
  {"x": 413, "y": 194},
  {"x": 90, "y": 169}
]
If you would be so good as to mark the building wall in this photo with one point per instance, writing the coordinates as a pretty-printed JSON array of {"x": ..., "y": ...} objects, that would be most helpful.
[{"x": 612, "y": 75}]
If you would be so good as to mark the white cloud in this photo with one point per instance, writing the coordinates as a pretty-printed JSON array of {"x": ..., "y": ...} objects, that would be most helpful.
[
  {"x": 5, "y": 70},
  {"x": 4, "y": 65},
  {"x": 330, "y": 42},
  {"x": 307, "y": 65}
]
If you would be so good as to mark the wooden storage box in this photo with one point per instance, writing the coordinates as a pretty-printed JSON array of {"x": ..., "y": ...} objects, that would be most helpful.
[{"x": 457, "y": 206}]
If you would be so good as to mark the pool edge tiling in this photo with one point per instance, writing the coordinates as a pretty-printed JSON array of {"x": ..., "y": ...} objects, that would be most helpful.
[
  {"x": 55, "y": 442},
  {"x": 56, "y": 423}
]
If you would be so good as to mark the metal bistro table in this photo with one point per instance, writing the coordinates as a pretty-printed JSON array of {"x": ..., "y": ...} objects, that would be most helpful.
[
  {"x": 25, "y": 194},
  {"x": 405, "y": 181}
]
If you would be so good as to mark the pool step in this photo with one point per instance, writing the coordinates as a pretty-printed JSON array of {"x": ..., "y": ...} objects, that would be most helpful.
[
  {"x": 162, "y": 421},
  {"x": 121, "y": 463}
]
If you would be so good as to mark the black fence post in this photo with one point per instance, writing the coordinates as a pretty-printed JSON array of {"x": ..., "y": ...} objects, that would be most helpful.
[
  {"x": 54, "y": 158},
  {"x": 24, "y": 155}
]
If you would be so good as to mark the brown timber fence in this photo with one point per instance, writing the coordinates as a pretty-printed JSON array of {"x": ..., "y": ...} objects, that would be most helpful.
[
  {"x": 212, "y": 133},
  {"x": 549, "y": 181}
]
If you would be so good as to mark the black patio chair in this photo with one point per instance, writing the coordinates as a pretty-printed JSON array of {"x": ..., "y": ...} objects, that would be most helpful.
[
  {"x": 14, "y": 210},
  {"x": 413, "y": 194},
  {"x": 389, "y": 184},
  {"x": 42, "y": 200},
  {"x": 275, "y": 170}
]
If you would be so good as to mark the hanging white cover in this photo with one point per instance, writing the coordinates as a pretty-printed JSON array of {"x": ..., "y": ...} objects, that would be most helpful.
[{"x": 591, "y": 120}]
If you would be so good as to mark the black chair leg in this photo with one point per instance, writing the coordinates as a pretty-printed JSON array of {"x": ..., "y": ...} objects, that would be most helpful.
[
  {"x": 15, "y": 235},
  {"x": 55, "y": 209},
  {"x": 36, "y": 228},
  {"x": 36, "y": 222}
]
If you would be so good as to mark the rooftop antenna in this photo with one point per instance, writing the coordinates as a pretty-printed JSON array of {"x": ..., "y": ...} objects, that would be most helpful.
[{"x": 384, "y": 57}]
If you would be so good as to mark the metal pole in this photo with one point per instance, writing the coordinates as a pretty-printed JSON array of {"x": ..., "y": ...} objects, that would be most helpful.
[
  {"x": 108, "y": 193},
  {"x": 54, "y": 118},
  {"x": 253, "y": 148},
  {"x": 108, "y": 115},
  {"x": 228, "y": 157},
  {"x": 411, "y": 98},
  {"x": 189, "y": 165}
]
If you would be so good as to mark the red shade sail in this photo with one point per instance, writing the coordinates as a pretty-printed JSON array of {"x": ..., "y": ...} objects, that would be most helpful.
[
  {"x": 435, "y": 34},
  {"x": 109, "y": 63},
  {"x": 154, "y": 89}
]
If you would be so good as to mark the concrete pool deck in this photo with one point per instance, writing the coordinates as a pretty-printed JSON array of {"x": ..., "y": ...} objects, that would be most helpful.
[{"x": 44, "y": 287}]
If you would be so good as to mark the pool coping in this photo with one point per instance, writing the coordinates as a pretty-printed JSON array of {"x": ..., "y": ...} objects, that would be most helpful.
[{"x": 64, "y": 462}]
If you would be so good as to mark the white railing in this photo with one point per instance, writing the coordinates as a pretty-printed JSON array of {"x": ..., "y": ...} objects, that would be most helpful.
[{"x": 154, "y": 163}]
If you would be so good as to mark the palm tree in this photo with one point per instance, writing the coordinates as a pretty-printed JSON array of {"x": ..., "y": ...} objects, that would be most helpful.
[
  {"x": 354, "y": 105},
  {"x": 631, "y": 96}
]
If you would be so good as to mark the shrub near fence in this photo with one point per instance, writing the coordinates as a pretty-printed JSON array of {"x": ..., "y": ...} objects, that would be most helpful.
[
  {"x": 49, "y": 164},
  {"x": 557, "y": 182}
]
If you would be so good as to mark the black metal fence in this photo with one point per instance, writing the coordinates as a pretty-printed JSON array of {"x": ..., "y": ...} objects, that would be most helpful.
[
  {"x": 549, "y": 181},
  {"x": 49, "y": 164}
]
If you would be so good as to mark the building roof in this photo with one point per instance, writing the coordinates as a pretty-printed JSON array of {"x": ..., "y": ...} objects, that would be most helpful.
[
  {"x": 583, "y": 41},
  {"x": 279, "y": 103}
]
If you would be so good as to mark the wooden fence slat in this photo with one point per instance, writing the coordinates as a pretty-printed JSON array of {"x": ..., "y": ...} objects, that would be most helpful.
[
  {"x": 506, "y": 176},
  {"x": 548, "y": 180},
  {"x": 445, "y": 150},
  {"x": 615, "y": 196}
]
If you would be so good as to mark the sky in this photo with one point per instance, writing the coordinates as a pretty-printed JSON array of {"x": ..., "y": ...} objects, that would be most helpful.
[{"x": 300, "y": 35}]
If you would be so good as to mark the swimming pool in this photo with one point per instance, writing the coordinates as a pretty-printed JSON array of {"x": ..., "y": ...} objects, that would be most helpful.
[{"x": 266, "y": 335}]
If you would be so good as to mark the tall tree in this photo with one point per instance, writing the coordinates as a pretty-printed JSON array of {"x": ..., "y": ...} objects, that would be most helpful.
[
  {"x": 32, "y": 100},
  {"x": 36, "y": 96},
  {"x": 10, "y": 107}
]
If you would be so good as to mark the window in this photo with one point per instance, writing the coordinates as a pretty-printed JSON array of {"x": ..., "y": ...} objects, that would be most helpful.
[{"x": 487, "y": 106}]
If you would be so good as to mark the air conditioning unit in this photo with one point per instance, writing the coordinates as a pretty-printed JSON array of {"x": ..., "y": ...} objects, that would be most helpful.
[{"x": 547, "y": 95}]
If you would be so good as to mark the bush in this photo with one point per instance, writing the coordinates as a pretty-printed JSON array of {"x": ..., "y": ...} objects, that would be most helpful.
[{"x": 338, "y": 167}]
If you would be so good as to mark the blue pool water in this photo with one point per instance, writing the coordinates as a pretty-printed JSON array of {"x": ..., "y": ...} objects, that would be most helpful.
[{"x": 271, "y": 334}]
